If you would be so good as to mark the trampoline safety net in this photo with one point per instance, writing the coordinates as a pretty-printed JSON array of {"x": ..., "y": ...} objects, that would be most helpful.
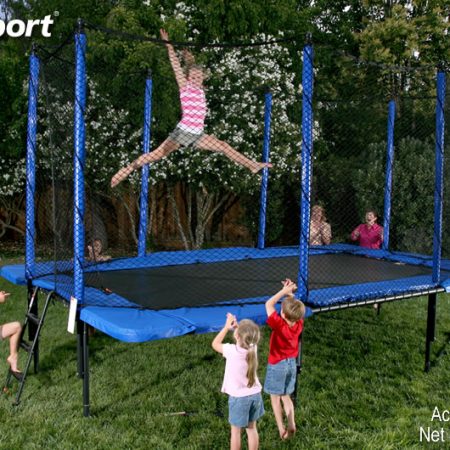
[{"x": 186, "y": 184}]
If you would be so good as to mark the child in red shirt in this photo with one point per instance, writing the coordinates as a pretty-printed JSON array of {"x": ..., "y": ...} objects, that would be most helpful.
[{"x": 281, "y": 370}]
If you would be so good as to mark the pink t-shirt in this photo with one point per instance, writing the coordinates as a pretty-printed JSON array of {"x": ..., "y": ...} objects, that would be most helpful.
[
  {"x": 369, "y": 237},
  {"x": 193, "y": 109},
  {"x": 235, "y": 379}
]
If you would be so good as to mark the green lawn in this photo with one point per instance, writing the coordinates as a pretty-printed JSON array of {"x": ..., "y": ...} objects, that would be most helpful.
[{"x": 362, "y": 386}]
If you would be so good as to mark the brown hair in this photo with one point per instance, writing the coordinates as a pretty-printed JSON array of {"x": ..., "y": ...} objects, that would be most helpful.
[
  {"x": 293, "y": 309},
  {"x": 248, "y": 333}
]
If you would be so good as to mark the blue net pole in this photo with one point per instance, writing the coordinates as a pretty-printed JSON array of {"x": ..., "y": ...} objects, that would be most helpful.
[
  {"x": 143, "y": 201},
  {"x": 79, "y": 161},
  {"x": 33, "y": 88},
  {"x": 439, "y": 176},
  {"x": 388, "y": 178},
  {"x": 306, "y": 169},
  {"x": 265, "y": 171}
]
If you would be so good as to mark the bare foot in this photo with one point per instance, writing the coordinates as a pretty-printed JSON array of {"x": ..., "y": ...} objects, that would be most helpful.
[
  {"x": 12, "y": 361},
  {"x": 284, "y": 435},
  {"x": 291, "y": 432},
  {"x": 259, "y": 166}
]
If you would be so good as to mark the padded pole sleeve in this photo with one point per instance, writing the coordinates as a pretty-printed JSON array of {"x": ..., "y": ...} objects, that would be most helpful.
[
  {"x": 265, "y": 171},
  {"x": 306, "y": 170},
  {"x": 79, "y": 164},
  {"x": 439, "y": 176},
  {"x": 143, "y": 201},
  {"x": 33, "y": 88}
]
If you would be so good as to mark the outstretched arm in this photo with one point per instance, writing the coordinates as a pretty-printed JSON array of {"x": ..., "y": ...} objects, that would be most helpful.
[
  {"x": 288, "y": 288},
  {"x": 173, "y": 58},
  {"x": 230, "y": 323}
]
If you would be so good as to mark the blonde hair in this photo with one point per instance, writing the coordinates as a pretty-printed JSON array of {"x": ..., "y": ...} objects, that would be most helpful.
[
  {"x": 248, "y": 334},
  {"x": 293, "y": 309}
]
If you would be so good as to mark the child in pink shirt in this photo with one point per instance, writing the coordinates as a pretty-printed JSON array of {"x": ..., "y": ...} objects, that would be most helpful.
[
  {"x": 240, "y": 381},
  {"x": 368, "y": 234}
]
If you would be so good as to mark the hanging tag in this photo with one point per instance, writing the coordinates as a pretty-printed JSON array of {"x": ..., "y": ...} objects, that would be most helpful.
[{"x": 72, "y": 315}]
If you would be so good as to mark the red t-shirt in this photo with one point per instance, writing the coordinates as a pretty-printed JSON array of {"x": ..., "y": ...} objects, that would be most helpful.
[{"x": 284, "y": 339}]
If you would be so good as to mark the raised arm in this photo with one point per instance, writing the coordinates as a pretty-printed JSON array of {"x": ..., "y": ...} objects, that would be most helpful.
[
  {"x": 173, "y": 58},
  {"x": 288, "y": 288},
  {"x": 230, "y": 323}
]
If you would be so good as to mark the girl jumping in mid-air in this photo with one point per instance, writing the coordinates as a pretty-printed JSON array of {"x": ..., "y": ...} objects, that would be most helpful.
[
  {"x": 240, "y": 380},
  {"x": 189, "y": 130}
]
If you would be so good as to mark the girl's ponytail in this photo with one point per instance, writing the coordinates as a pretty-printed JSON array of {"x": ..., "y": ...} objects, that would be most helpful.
[
  {"x": 252, "y": 361},
  {"x": 249, "y": 335}
]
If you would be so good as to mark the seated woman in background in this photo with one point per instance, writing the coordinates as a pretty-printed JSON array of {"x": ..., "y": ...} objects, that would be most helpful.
[
  {"x": 369, "y": 234},
  {"x": 319, "y": 228}
]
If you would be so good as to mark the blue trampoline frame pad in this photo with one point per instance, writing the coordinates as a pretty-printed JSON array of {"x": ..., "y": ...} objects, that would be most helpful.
[{"x": 131, "y": 324}]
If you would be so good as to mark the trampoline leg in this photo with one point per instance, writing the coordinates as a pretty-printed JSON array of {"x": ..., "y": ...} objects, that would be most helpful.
[
  {"x": 83, "y": 362},
  {"x": 79, "y": 348},
  {"x": 431, "y": 329},
  {"x": 32, "y": 327},
  {"x": 299, "y": 369}
]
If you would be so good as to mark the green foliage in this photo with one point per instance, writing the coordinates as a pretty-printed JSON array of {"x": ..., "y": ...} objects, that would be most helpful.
[
  {"x": 13, "y": 100},
  {"x": 406, "y": 34},
  {"x": 413, "y": 190}
]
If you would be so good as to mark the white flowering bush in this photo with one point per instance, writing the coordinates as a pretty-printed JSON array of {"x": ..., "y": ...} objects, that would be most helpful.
[
  {"x": 12, "y": 194},
  {"x": 110, "y": 139}
]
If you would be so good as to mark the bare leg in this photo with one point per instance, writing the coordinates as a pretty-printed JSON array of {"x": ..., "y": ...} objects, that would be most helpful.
[
  {"x": 235, "y": 441},
  {"x": 289, "y": 411},
  {"x": 209, "y": 142},
  {"x": 167, "y": 147},
  {"x": 278, "y": 413},
  {"x": 252, "y": 436},
  {"x": 12, "y": 331}
]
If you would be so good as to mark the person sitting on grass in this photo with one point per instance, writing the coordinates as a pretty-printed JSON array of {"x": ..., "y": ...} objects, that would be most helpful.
[
  {"x": 190, "y": 129},
  {"x": 11, "y": 330},
  {"x": 240, "y": 380},
  {"x": 283, "y": 350}
]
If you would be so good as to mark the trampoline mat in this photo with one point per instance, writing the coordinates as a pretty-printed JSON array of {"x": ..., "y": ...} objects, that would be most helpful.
[{"x": 193, "y": 285}]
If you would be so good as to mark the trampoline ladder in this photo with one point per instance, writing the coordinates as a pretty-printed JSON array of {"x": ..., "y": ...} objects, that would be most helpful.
[{"x": 31, "y": 320}]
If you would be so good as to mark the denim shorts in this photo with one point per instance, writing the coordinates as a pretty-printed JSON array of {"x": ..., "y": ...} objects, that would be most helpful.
[
  {"x": 243, "y": 410},
  {"x": 280, "y": 377},
  {"x": 183, "y": 137}
]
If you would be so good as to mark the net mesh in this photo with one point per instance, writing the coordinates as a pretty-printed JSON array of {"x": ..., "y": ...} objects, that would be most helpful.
[{"x": 191, "y": 123}]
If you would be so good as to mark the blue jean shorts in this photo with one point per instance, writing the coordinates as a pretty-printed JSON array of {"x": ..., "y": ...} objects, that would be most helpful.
[
  {"x": 243, "y": 410},
  {"x": 280, "y": 377}
]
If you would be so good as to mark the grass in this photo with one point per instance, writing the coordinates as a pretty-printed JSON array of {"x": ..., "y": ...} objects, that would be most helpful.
[{"x": 362, "y": 386}]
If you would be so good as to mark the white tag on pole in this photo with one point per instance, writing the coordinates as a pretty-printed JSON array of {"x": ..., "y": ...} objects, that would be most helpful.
[{"x": 72, "y": 315}]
